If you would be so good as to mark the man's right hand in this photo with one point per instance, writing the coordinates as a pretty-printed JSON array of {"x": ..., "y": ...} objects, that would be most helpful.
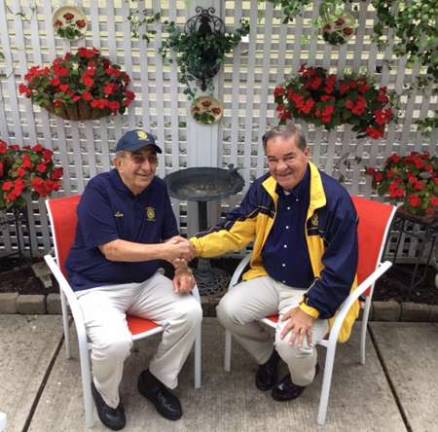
[{"x": 177, "y": 248}]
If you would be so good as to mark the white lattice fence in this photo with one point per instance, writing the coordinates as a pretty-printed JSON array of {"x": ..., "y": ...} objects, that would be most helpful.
[{"x": 273, "y": 52}]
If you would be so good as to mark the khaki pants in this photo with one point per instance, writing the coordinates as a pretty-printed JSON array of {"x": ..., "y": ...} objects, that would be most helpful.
[
  {"x": 104, "y": 310},
  {"x": 245, "y": 304}
]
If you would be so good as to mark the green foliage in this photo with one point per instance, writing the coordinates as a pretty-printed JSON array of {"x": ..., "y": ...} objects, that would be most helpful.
[
  {"x": 199, "y": 54},
  {"x": 291, "y": 8},
  {"x": 415, "y": 27},
  {"x": 140, "y": 23}
]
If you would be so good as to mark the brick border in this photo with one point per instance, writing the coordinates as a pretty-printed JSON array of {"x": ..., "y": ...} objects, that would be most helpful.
[{"x": 14, "y": 303}]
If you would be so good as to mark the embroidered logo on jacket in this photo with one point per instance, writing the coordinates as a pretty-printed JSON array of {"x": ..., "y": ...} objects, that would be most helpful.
[
  {"x": 150, "y": 214},
  {"x": 313, "y": 225},
  {"x": 118, "y": 214}
]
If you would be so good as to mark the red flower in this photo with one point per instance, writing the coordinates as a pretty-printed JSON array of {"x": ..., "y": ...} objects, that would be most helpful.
[
  {"x": 47, "y": 155},
  {"x": 57, "y": 173},
  {"x": 3, "y": 147},
  {"x": 91, "y": 71},
  {"x": 343, "y": 88},
  {"x": 349, "y": 104},
  {"x": 88, "y": 53},
  {"x": 279, "y": 91},
  {"x": 414, "y": 201},
  {"x": 378, "y": 177},
  {"x": 2, "y": 170},
  {"x": 434, "y": 201},
  {"x": 315, "y": 83},
  {"x": 81, "y": 23},
  {"x": 89, "y": 82},
  {"x": 68, "y": 16},
  {"x": 326, "y": 98},
  {"x": 42, "y": 168},
  {"x": 61, "y": 71},
  {"x": 65, "y": 88},
  {"x": 383, "y": 116},
  {"x": 109, "y": 89},
  {"x": 394, "y": 158},
  {"x": 27, "y": 162},
  {"x": 87, "y": 96},
  {"x": 114, "y": 106},
  {"x": 308, "y": 106},
  {"x": 7, "y": 186},
  {"x": 285, "y": 115},
  {"x": 374, "y": 133},
  {"x": 55, "y": 82}
]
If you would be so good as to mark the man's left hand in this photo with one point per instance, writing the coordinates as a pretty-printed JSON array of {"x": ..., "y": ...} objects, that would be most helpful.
[
  {"x": 183, "y": 282},
  {"x": 300, "y": 325}
]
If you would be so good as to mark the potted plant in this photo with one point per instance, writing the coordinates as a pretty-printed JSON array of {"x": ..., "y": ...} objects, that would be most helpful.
[
  {"x": 83, "y": 85},
  {"x": 201, "y": 48},
  {"x": 327, "y": 100},
  {"x": 291, "y": 8},
  {"x": 415, "y": 35},
  {"x": 26, "y": 171},
  {"x": 411, "y": 180}
]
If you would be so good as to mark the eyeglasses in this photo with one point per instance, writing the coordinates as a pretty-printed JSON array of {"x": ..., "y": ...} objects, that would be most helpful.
[{"x": 140, "y": 158}]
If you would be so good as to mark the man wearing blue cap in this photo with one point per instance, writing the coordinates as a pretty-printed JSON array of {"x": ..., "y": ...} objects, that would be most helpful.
[{"x": 125, "y": 227}]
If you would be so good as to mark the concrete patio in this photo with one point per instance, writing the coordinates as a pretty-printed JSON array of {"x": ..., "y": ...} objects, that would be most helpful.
[{"x": 40, "y": 390}]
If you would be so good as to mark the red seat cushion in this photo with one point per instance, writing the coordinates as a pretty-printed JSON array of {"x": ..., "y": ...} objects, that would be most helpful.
[{"x": 140, "y": 325}]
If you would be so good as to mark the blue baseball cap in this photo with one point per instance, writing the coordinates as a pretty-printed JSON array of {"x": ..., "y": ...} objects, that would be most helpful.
[{"x": 135, "y": 140}]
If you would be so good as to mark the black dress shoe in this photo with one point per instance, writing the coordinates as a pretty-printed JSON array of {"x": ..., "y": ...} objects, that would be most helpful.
[
  {"x": 166, "y": 403},
  {"x": 114, "y": 418},
  {"x": 266, "y": 375},
  {"x": 286, "y": 390}
]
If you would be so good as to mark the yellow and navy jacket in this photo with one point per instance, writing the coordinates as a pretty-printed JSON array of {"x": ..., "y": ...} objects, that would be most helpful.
[{"x": 330, "y": 232}]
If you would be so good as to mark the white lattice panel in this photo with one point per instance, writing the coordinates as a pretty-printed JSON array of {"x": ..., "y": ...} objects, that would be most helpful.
[{"x": 273, "y": 52}]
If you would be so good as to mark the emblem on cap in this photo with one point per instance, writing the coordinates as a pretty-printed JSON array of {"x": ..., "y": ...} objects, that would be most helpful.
[{"x": 142, "y": 135}]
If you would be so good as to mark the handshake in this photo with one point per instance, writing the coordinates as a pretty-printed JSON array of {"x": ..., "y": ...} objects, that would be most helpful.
[{"x": 179, "y": 250}]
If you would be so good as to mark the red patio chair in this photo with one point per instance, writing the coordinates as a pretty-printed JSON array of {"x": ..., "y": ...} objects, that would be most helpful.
[
  {"x": 63, "y": 219},
  {"x": 375, "y": 219}
]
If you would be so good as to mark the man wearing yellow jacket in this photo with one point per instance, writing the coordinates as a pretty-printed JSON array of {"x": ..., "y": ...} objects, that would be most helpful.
[{"x": 303, "y": 226}]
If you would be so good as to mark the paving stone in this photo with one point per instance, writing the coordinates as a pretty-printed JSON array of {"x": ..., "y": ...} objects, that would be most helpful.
[
  {"x": 415, "y": 312},
  {"x": 53, "y": 303},
  {"x": 360, "y": 400},
  {"x": 8, "y": 303},
  {"x": 386, "y": 311},
  {"x": 433, "y": 313},
  {"x": 409, "y": 353},
  {"x": 27, "y": 346},
  {"x": 31, "y": 304}
]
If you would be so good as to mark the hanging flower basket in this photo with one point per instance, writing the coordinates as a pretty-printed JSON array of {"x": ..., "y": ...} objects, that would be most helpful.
[
  {"x": 80, "y": 86},
  {"x": 80, "y": 111},
  {"x": 326, "y": 100}
]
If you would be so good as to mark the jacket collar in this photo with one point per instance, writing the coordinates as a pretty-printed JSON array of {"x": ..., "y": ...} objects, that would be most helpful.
[{"x": 317, "y": 195}]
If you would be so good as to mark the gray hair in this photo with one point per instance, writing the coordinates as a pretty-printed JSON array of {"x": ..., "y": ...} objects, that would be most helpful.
[
  {"x": 120, "y": 154},
  {"x": 285, "y": 131}
]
